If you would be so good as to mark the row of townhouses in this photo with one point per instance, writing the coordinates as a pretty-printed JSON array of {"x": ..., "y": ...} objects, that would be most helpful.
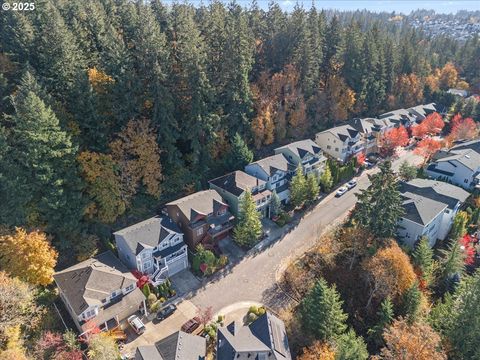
[{"x": 102, "y": 291}]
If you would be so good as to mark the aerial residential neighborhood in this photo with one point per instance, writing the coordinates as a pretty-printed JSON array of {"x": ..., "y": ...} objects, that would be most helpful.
[{"x": 228, "y": 181}]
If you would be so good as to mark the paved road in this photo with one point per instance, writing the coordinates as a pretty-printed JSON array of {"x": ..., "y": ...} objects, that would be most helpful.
[{"x": 254, "y": 279}]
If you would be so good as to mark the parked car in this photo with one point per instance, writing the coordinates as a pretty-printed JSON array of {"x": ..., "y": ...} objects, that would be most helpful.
[
  {"x": 191, "y": 325},
  {"x": 166, "y": 312},
  {"x": 351, "y": 184},
  {"x": 341, "y": 191},
  {"x": 368, "y": 164},
  {"x": 136, "y": 324}
]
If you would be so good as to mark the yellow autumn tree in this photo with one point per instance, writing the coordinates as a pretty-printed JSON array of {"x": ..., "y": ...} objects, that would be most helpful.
[
  {"x": 103, "y": 186},
  {"x": 389, "y": 272},
  {"x": 318, "y": 351},
  {"x": 408, "y": 91},
  {"x": 136, "y": 152},
  {"x": 28, "y": 256},
  {"x": 448, "y": 76},
  {"x": 99, "y": 80}
]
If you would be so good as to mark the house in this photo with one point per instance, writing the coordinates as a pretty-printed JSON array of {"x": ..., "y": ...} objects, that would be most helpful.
[
  {"x": 459, "y": 165},
  {"x": 232, "y": 188},
  {"x": 430, "y": 207},
  {"x": 306, "y": 153},
  {"x": 178, "y": 346},
  {"x": 202, "y": 217},
  {"x": 420, "y": 112},
  {"x": 99, "y": 292},
  {"x": 341, "y": 142},
  {"x": 370, "y": 129},
  {"x": 264, "y": 339},
  {"x": 154, "y": 247},
  {"x": 399, "y": 117},
  {"x": 458, "y": 92},
  {"x": 276, "y": 172}
]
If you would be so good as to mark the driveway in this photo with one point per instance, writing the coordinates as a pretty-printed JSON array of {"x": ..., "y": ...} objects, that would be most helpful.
[
  {"x": 156, "y": 331},
  {"x": 231, "y": 250},
  {"x": 254, "y": 278}
]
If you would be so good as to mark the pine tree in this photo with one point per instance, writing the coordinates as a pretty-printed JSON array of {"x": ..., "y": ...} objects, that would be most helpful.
[
  {"x": 298, "y": 188},
  {"x": 385, "y": 317},
  {"x": 312, "y": 188},
  {"x": 379, "y": 207},
  {"x": 406, "y": 171},
  {"x": 275, "y": 204},
  {"x": 239, "y": 154},
  {"x": 459, "y": 226},
  {"x": 321, "y": 312},
  {"x": 249, "y": 227},
  {"x": 423, "y": 259},
  {"x": 326, "y": 180},
  {"x": 349, "y": 346},
  {"x": 411, "y": 303},
  {"x": 450, "y": 263}
]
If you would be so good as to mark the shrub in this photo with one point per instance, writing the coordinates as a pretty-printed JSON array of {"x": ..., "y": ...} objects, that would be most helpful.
[
  {"x": 253, "y": 309},
  {"x": 151, "y": 299},
  {"x": 156, "y": 305},
  {"x": 252, "y": 317},
  {"x": 261, "y": 311},
  {"x": 220, "y": 318},
  {"x": 162, "y": 299},
  {"x": 222, "y": 261},
  {"x": 146, "y": 290}
]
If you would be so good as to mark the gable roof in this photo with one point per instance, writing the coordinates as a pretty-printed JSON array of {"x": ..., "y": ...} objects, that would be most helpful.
[
  {"x": 423, "y": 110},
  {"x": 266, "y": 334},
  {"x": 277, "y": 162},
  {"x": 301, "y": 148},
  {"x": 182, "y": 346},
  {"x": 89, "y": 282},
  {"x": 398, "y": 116},
  {"x": 424, "y": 199},
  {"x": 148, "y": 352},
  {"x": 466, "y": 153},
  {"x": 343, "y": 132},
  {"x": 237, "y": 182},
  {"x": 148, "y": 234},
  {"x": 199, "y": 204}
]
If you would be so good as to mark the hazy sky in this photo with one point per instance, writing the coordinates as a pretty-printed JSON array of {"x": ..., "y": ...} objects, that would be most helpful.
[{"x": 403, "y": 6}]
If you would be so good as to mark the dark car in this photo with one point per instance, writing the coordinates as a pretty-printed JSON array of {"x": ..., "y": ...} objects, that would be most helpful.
[
  {"x": 191, "y": 325},
  {"x": 166, "y": 312}
]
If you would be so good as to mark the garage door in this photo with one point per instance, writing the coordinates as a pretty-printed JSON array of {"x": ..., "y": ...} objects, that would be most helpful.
[{"x": 177, "y": 265}]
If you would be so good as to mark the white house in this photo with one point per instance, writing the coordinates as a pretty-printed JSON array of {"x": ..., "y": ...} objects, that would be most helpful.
[
  {"x": 400, "y": 117},
  {"x": 458, "y": 92},
  {"x": 276, "y": 171},
  {"x": 460, "y": 165},
  {"x": 430, "y": 207},
  {"x": 306, "y": 153},
  {"x": 154, "y": 247},
  {"x": 420, "y": 112},
  {"x": 340, "y": 142},
  {"x": 99, "y": 291}
]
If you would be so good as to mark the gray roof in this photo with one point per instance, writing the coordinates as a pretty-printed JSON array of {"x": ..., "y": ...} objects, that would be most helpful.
[
  {"x": 265, "y": 335},
  {"x": 148, "y": 234},
  {"x": 399, "y": 115},
  {"x": 182, "y": 346},
  {"x": 274, "y": 163},
  {"x": 148, "y": 352},
  {"x": 423, "y": 110},
  {"x": 424, "y": 199},
  {"x": 237, "y": 182},
  {"x": 301, "y": 148},
  {"x": 343, "y": 132},
  {"x": 199, "y": 203},
  {"x": 89, "y": 282},
  {"x": 466, "y": 153}
]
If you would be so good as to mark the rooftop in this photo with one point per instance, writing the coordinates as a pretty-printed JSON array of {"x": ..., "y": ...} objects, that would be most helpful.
[
  {"x": 301, "y": 148},
  {"x": 274, "y": 163},
  {"x": 237, "y": 182},
  {"x": 201, "y": 203}
]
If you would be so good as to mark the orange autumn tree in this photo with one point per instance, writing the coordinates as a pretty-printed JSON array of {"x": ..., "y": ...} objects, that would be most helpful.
[
  {"x": 136, "y": 152},
  {"x": 389, "y": 273},
  {"x": 318, "y": 350},
  {"x": 392, "y": 139},
  {"x": 408, "y": 91},
  {"x": 427, "y": 147},
  {"x": 462, "y": 129},
  {"x": 448, "y": 77},
  {"x": 28, "y": 256},
  {"x": 417, "y": 341},
  {"x": 431, "y": 125}
]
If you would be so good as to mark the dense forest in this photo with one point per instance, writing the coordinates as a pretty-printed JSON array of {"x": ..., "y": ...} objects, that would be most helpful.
[{"x": 112, "y": 107}]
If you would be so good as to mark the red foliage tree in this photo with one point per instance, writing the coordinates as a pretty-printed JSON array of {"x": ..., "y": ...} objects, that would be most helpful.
[
  {"x": 427, "y": 147},
  {"x": 468, "y": 244},
  {"x": 360, "y": 159},
  {"x": 462, "y": 129},
  {"x": 52, "y": 346},
  {"x": 431, "y": 125},
  {"x": 392, "y": 139}
]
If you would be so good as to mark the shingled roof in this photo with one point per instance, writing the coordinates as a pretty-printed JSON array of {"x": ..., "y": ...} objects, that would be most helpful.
[
  {"x": 89, "y": 282},
  {"x": 148, "y": 234},
  {"x": 274, "y": 163},
  {"x": 200, "y": 203},
  {"x": 302, "y": 147},
  {"x": 237, "y": 182}
]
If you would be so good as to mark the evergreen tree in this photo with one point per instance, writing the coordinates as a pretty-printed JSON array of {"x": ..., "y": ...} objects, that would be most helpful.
[
  {"x": 239, "y": 154},
  {"x": 459, "y": 226},
  {"x": 321, "y": 312},
  {"x": 385, "y": 317},
  {"x": 326, "y": 180},
  {"x": 312, "y": 188},
  {"x": 249, "y": 227},
  {"x": 349, "y": 346},
  {"x": 275, "y": 204},
  {"x": 379, "y": 207},
  {"x": 423, "y": 259},
  {"x": 450, "y": 263},
  {"x": 406, "y": 171},
  {"x": 411, "y": 303},
  {"x": 298, "y": 188}
]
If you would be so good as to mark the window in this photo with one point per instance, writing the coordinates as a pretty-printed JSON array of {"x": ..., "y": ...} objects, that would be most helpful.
[
  {"x": 148, "y": 264},
  {"x": 130, "y": 288},
  {"x": 145, "y": 255},
  {"x": 329, "y": 147},
  {"x": 90, "y": 313},
  {"x": 465, "y": 181},
  {"x": 115, "y": 294},
  {"x": 200, "y": 231}
]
